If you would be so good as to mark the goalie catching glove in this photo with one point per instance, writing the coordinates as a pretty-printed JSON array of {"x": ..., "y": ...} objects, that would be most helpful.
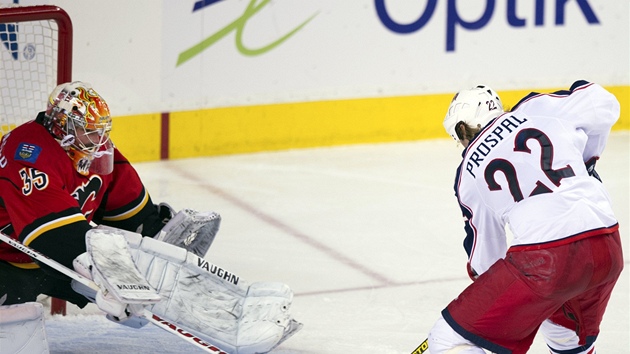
[
  {"x": 189, "y": 229},
  {"x": 202, "y": 298}
]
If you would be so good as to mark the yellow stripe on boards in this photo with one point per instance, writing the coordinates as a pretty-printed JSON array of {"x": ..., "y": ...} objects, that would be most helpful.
[
  {"x": 246, "y": 129},
  {"x": 623, "y": 95},
  {"x": 309, "y": 124},
  {"x": 138, "y": 137}
]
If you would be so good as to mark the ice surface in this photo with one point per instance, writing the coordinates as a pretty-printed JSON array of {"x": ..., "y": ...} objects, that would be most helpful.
[{"x": 369, "y": 238}]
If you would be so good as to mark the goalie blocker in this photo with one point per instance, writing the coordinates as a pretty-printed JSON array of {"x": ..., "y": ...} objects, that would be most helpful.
[{"x": 201, "y": 298}]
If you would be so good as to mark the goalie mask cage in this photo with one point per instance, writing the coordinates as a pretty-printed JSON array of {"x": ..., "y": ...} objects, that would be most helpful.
[{"x": 36, "y": 56}]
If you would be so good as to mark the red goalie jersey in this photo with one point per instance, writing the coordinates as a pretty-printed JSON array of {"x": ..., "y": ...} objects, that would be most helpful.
[{"x": 46, "y": 204}]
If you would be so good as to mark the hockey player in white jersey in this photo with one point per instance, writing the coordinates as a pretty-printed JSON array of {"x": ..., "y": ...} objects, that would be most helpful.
[{"x": 532, "y": 169}]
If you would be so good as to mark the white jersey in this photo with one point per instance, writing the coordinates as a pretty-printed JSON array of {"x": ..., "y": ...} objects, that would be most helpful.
[{"x": 527, "y": 169}]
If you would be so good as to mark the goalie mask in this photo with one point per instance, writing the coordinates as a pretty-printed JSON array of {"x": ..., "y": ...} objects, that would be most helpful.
[
  {"x": 78, "y": 117},
  {"x": 475, "y": 107}
]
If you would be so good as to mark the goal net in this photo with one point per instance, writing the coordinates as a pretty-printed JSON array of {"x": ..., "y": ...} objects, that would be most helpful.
[{"x": 35, "y": 56}]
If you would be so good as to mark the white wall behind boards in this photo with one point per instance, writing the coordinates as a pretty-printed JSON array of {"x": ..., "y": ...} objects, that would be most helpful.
[{"x": 259, "y": 51}]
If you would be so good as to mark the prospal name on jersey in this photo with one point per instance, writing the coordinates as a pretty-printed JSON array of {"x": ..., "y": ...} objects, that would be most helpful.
[{"x": 500, "y": 130}]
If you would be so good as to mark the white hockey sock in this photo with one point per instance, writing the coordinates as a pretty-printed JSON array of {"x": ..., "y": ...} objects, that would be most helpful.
[
  {"x": 444, "y": 340},
  {"x": 563, "y": 340}
]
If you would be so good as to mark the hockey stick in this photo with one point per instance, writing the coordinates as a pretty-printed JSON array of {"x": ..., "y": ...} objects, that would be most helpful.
[
  {"x": 165, "y": 325},
  {"x": 422, "y": 347}
]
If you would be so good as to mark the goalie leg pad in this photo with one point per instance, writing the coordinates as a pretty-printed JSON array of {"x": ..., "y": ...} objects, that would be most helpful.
[
  {"x": 213, "y": 303},
  {"x": 196, "y": 294},
  {"x": 22, "y": 329},
  {"x": 265, "y": 317}
]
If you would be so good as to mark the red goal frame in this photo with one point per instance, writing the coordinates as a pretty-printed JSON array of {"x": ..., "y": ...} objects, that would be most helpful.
[{"x": 18, "y": 14}]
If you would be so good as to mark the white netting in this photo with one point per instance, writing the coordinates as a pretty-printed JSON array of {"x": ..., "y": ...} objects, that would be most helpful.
[{"x": 28, "y": 69}]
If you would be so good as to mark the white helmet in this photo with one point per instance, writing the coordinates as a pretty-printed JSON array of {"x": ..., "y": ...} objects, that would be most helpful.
[{"x": 478, "y": 105}]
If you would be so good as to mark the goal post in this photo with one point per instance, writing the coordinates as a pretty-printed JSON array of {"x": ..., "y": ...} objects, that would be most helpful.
[{"x": 35, "y": 56}]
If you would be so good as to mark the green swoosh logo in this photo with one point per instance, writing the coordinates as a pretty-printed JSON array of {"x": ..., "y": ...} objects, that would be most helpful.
[{"x": 238, "y": 25}]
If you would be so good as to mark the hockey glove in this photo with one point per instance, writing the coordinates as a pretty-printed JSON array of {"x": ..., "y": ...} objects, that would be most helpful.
[
  {"x": 590, "y": 168},
  {"x": 165, "y": 212},
  {"x": 191, "y": 230}
]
